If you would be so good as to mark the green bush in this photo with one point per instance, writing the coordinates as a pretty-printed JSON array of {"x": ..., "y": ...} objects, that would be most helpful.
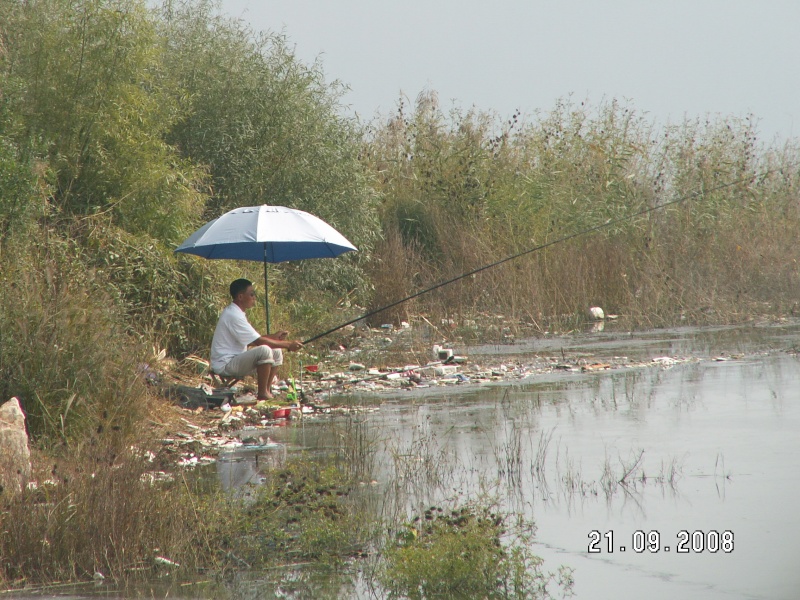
[
  {"x": 171, "y": 301},
  {"x": 270, "y": 130},
  {"x": 303, "y": 511},
  {"x": 90, "y": 91},
  {"x": 464, "y": 552}
]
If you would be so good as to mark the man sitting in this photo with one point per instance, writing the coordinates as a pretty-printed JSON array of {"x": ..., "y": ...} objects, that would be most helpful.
[{"x": 229, "y": 354}]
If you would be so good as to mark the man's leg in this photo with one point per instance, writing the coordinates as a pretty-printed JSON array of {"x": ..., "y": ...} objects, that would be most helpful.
[
  {"x": 260, "y": 359},
  {"x": 264, "y": 373}
]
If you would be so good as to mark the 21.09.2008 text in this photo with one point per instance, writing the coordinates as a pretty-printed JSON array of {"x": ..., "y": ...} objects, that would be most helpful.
[{"x": 685, "y": 542}]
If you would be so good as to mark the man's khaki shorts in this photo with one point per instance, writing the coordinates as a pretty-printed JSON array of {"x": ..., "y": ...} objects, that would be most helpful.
[{"x": 246, "y": 362}]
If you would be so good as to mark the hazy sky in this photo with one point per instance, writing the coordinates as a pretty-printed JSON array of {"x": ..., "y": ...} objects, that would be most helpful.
[{"x": 669, "y": 58}]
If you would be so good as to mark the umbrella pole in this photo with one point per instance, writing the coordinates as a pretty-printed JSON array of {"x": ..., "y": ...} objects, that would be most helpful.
[{"x": 266, "y": 288}]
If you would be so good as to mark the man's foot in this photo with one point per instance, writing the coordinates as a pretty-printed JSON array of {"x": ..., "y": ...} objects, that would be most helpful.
[{"x": 266, "y": 396}]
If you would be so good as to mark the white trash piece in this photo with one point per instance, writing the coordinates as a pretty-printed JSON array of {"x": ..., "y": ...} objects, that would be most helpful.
[
  {"x": 596, "y": 313},
  {"x": 442, "y": 353},
  {"x": 160, "y": 560},
  {"x": 444, "y": 370}
]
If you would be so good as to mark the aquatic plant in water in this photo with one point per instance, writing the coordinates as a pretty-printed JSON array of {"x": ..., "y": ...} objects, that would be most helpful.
[{"x": 466, "y": 551}]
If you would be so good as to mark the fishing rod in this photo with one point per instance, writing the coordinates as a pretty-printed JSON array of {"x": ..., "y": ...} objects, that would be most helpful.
[{"x": 571, "y": 236}]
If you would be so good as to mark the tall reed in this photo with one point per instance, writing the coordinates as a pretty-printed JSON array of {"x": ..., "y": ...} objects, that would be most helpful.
[{"x": 466, "y": 188}]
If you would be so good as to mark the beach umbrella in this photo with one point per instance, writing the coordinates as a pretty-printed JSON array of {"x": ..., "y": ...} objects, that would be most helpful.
[{"x": 268, "y": 234}]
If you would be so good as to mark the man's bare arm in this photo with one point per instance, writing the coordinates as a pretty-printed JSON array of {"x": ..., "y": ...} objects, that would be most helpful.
[{"x": 278, "y": 340}]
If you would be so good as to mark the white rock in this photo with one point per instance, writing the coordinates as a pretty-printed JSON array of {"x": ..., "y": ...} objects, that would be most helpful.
[{"x": 15, "y": 454}]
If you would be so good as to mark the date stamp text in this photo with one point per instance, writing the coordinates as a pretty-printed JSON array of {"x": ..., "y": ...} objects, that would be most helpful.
[{"x": 685, "y": 542}]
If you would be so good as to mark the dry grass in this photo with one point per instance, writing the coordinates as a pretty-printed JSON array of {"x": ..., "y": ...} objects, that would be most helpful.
[
  {"x": 96, "y": 511},
  {"x": 464, "y": 190}
]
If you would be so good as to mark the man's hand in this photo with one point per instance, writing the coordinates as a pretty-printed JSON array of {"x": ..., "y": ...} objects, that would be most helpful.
[{"x": 278, "y": 340}]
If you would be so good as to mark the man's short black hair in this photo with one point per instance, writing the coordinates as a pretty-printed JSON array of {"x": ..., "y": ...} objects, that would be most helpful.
[{"x": 238, "y": 286}]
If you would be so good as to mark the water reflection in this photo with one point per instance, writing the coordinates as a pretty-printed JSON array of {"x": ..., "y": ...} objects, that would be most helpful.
[{"x": 247, "y": 466}]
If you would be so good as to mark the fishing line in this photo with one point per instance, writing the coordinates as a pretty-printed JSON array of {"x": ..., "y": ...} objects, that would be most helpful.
[{"x": 566, "y": 238}]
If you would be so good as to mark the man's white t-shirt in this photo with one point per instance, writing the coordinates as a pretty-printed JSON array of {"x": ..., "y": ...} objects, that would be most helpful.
[{"x": 231, "y": 337}]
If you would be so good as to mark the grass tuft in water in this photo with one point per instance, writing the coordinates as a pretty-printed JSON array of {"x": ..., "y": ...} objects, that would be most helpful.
[
  {"x": 304, "y": 511},
  {"x": 467, "y": 551}
]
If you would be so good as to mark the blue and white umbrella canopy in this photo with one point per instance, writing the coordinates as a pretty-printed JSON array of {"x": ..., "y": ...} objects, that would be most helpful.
[{"x": 268, "y": 234}]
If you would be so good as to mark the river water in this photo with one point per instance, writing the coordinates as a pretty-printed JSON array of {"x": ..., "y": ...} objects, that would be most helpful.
[
  {"x": 669, "y": 478},
  {"x": 715, "y": 430}
]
